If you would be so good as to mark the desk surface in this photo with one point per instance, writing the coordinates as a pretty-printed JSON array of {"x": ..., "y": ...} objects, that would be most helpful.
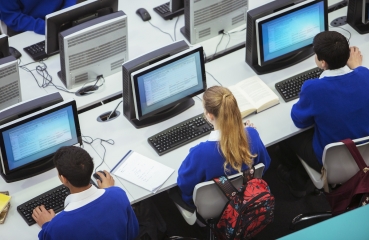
[
  {"x": 273, "y": 124},
  {"x": 350, "y": 225}
]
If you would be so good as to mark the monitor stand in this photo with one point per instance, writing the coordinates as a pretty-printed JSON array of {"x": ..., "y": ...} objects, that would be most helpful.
[
  {"x": 164, "y": 115},
  {"x": 283, "y": 63},
  {"x": 28, "y": 171}
]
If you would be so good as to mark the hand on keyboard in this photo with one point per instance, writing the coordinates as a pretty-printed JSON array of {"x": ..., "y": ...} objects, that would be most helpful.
[
  {"x": 248, "y": 123},
  {"x": 41, "y": 215}
]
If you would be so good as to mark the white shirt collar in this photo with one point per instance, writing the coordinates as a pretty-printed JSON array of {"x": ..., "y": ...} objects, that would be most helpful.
[
  {"x": 77, "y": 200},
  {"x": 214, "y": 136},
  {"x": 336, "y": 72}
]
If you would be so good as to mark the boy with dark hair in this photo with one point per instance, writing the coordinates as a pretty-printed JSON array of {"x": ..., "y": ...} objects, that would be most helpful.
[
  {"x": 337, "y": 104},
  {"x": 89, "y": 213},
  {"x": 29, "y": 15}
]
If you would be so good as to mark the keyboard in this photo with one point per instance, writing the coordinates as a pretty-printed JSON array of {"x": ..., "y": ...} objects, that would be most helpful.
[
  {"x": 51, "y": 199},
  {"x": 290, "y": 88},
  {"x": 36, "y": 51},
  {"x": 180, "y": 134},
  {"x": 164, "y": 11}
]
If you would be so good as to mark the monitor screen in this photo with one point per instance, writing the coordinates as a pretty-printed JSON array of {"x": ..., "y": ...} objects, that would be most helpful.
[
  {"x": 290, "y": 30},
  {"x": 64, "y": 19},
  {"x": 168, "y": 82},
  {"x": 37, "y": 136}
]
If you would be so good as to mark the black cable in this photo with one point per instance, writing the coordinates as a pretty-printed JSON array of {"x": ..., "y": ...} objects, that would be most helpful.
[
  {"x": 46, "y": 77},
  {"x": 199, "y": 98},
  {"x": 216, "y": 49},
  {"x": 161, "y": 30},
  {"x": 115, "y": 109},
  {"x": 175, "y": 27},
  {"x": 109, "y": 141},
  {"x": 214, "y": 78}
]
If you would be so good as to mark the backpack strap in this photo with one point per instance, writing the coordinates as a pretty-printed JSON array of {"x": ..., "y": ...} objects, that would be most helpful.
[
  {"x": 356, "y": 154},
  {"x": 225, "y": 185}
]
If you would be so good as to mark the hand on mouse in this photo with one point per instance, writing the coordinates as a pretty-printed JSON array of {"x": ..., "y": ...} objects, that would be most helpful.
[{"x": 107, "y": 181}]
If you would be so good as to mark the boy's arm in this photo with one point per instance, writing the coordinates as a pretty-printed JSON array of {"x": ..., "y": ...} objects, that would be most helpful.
[{"x": 13, "y": 17}]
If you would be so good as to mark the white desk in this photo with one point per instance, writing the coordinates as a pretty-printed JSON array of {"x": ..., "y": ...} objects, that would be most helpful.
[{"x": 273, "y": 125}]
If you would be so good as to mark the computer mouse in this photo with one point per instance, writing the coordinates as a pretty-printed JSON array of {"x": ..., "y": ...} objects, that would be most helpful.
[
  {"x": 144, "y": 14},
  {"x": 15, "y": 53},
  {"x": 96, "y": 176}
]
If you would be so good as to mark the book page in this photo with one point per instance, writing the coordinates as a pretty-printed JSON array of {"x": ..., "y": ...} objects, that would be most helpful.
[
  {"x": 258, "y": 93},
  {"x": 245, "y": 106},
  {"x": 143, "y": 171}
]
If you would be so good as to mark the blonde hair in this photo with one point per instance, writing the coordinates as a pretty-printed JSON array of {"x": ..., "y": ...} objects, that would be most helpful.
[{"x": 233, "y": 143}]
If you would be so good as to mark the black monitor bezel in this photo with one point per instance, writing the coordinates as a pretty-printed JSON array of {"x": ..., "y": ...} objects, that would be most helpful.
[
  {"x": 55, "y": 20},
  {"x": 134, "y": 79},
  {"x": 34, "y": 116},
  {"x": 4, "y": 46},
  {"x": 283, "y": 13}
]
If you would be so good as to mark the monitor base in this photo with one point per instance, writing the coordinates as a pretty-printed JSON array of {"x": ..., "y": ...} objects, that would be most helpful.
[
  {"x": 164, "y": 115},
  {"x": 29, "y": 171},
  {"x": 284, "y": 63}
]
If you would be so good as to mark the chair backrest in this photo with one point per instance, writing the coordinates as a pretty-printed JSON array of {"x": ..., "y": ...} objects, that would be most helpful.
[
  {"x": 210, "y": 200},
  {"x": 338, "y": 161}
]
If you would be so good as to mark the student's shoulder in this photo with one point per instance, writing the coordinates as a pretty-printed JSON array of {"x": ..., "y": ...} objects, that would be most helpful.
[
  {"x": 252, "y": 133},
  {"x": 362, "y": 70}
]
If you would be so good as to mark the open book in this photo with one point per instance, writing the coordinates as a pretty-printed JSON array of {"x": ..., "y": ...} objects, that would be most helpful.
[{"x": 253, "y": 95}]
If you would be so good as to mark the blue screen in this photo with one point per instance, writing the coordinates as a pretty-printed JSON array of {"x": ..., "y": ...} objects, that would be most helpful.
[
  {"x": 292, "y": 31},
  {"x": 40, "y": 137},
  {"x": 170, "y": 83}
]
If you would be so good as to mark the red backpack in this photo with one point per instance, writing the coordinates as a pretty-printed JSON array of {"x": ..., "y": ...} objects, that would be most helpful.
[{"x": 248, "y": 210}]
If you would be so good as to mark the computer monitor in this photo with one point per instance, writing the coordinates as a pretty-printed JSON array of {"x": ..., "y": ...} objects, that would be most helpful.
[
  {"x": 161, "y": 84},
  {"x": 66, "y": 18},
  {"x": 94, "y": 48},
  {"x": 175, "y": 5},
  {"x": 358, "y": 16},
  {"x": 27, "y": 144},
  {"x": 4, "y": 46},
  {"x": 207, "y": 19},
  {"x": 280, "y": 34}
]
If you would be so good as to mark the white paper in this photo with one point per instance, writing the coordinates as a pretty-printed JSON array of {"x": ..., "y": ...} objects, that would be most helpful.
[{"x": 143, "y": 171}]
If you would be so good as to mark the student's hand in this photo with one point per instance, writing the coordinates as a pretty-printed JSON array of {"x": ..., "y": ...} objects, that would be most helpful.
[
  {"x": 107, "y": 181},
  {"x": 249, "y": 124},
  {"x": 355, "y": 59},
  {"x": 41, "y": 215}
]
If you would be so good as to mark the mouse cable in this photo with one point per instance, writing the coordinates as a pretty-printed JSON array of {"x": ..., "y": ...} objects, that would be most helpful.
[
  {"x": 214, "y": 78},
  {"x": 161, "y": 30},
  {"x": 42, "y": 71},
  {"x": 89, "y": 140},
  {"x": 175, "y": 28}
]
